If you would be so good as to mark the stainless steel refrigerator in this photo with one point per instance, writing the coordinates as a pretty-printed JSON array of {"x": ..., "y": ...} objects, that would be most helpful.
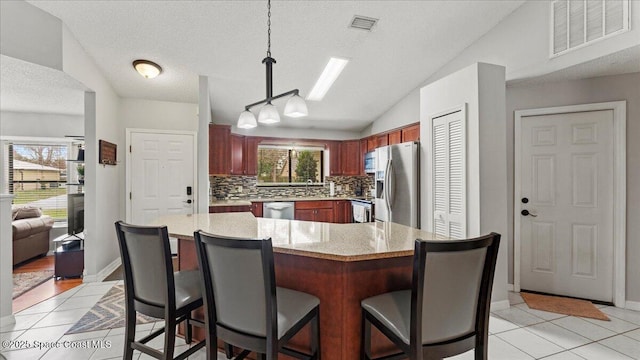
[{"x": 397, "y": 179}]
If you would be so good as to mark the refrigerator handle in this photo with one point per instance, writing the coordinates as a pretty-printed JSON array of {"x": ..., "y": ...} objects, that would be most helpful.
[
  {"x": 387, "y": 187},
  {"x": 391, "y": 184}
]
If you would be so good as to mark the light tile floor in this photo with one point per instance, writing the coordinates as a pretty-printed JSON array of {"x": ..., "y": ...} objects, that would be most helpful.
[{"x": 516, "y": 333}]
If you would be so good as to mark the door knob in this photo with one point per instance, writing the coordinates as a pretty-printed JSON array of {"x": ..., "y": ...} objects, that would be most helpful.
[{"x": 526, "y": 212}]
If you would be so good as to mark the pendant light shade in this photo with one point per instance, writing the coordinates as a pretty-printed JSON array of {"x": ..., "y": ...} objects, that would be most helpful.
[
  {"x": 296, "y": 107},
  {"x": 247, "y": 120},
  {"x": 268, "y": 114}
]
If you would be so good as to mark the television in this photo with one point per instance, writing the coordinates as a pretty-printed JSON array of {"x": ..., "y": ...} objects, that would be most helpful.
[{"x": 75, "y": 213}]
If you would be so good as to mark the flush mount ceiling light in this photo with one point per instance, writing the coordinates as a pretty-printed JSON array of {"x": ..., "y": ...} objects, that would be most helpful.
[
  {"x": 329, "y": 75},
  {"x": 147, "y": 69},
  {"x": 295, "y": 107}
]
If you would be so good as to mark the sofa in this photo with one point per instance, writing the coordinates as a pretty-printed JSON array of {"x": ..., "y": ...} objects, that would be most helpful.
[{"x": 30, "y": 232}]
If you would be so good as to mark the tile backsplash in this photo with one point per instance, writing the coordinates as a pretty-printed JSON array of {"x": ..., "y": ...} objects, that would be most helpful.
[{"x": 244, "y": 187}]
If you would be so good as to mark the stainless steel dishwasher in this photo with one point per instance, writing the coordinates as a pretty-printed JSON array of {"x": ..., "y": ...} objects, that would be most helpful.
[{"x": 278, "y": 210}]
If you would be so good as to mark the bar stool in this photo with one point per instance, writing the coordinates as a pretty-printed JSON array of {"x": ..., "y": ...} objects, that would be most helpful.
[
  {"x": 153, "y": 289},
  {"x": 446, "y": 312},
  {"x": 243, "y": 305}
]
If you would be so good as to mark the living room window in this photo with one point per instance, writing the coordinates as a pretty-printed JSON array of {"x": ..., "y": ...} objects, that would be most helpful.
[{"x": 37, "y": 176}]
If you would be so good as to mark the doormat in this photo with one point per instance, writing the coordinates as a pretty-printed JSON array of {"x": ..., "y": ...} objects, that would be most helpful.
[
  {"x": 563, "y": 305},
  {"x": 25, "y": 281},
  {"x": 108, "y": 313}
]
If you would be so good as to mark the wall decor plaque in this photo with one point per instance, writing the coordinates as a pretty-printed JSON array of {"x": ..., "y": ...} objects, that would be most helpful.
[{"x": 107, "y": 153}]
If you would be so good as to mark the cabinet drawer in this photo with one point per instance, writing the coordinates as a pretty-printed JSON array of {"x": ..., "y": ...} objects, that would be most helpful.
[{"x": 314, "y": 204}]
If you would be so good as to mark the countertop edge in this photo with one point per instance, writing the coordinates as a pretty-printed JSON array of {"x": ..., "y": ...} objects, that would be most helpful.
[{"x": 316, "y": 255}]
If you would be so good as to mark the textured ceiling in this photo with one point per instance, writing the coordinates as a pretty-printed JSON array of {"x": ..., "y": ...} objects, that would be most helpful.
[
  {"x": 26, "y": 87},
  {"x": 226, "y": 41}
]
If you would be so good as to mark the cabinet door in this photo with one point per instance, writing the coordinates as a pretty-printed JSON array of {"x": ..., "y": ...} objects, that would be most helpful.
[
  {"x": 219, "y": 149},
  {"x": 251, "y": 155},
  {"x": 256, "y": 209},
  {"x": 335, "y": 167},
  {"x": 411, "y": 133},
  {"x": 324, "y": 215},
  {"x": 342, "y": 212},
  {"x": 305, "y": 214},
  {"x": 350, "y": 154},
  {"x": 237, "y": 158},
  {"x": 363, "y": 152},
  {"x": 395, "y": 137},
  {"x": 372, "y": 143},
  {"x": 382, "y": 140}
]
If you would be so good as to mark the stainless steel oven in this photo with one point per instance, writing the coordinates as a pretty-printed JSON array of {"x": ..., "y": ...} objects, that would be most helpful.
[{"x": 362, "y": 211}]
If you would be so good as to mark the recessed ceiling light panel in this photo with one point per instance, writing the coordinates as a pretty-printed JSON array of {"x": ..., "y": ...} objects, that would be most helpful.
[{"x": 329, "y": 75}]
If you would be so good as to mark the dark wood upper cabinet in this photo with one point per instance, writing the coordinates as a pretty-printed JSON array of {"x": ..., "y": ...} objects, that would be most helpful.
[
  {"x": 382, "y": 140},
  {"x": 411, "y": 133},
  {"x": 335, "y": 167},
  {"x": 350, "y": 157},
  {"x": 395, "y": 137},
  {"x": 363, "y": 151},
  {"x": 219, "y": 149},
  {"x": 251, "y": 155},
  {"x": 237, "y": 158},
  {"x": 372, "y": 143}
]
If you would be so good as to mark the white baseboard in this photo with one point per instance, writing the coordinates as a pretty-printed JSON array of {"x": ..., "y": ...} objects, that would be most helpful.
[
  {"x": 633, "y": 305},
  {"x": 500, "y": 305},
  {"x": 102, "y": 274},
  {"x": 7, "y": 320},
  {"x": 509, "y": 287}
]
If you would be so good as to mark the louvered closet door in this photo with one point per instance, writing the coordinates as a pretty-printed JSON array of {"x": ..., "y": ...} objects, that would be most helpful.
[{"x": 449, "y": 163}]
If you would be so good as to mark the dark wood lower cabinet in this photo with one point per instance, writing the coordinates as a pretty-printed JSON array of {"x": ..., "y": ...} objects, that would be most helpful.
[{"x": 340, "y": 286}]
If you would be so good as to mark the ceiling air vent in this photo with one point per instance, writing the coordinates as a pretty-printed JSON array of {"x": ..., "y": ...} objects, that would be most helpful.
[{"x": 363, "y": 22}]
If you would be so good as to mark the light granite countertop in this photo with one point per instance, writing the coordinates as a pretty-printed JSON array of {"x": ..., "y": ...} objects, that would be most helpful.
[
  {"x": 247, "y": 202},
  {"x": 341, "y": 242}
]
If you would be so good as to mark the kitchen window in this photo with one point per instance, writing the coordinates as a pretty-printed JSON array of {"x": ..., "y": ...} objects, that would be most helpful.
[{"x": 285, "y": 165}]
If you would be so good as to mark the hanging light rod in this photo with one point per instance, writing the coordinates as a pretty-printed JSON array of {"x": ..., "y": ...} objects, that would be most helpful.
[{"x": 295, "y": 107}]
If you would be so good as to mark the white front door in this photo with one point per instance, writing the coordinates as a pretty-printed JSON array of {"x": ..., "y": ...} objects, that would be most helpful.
[
  {"x": 566, "y": 182},
  {"x": 161, "y": 170}
]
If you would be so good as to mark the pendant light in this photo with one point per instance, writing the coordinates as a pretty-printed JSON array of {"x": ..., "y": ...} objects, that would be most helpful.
[{"x": 295, "y": 107}]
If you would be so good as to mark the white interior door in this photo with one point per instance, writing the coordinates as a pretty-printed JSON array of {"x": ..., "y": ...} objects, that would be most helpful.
[
  {"x": 566, "y": 182},
  {"x": 162, "y": 167}
]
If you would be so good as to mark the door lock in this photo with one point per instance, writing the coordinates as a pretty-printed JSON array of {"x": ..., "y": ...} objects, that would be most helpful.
[{"x": 189, "y": 201}]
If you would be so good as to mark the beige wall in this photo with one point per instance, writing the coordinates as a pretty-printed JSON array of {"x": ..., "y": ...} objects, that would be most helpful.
[{"x": 595, "y": 90}]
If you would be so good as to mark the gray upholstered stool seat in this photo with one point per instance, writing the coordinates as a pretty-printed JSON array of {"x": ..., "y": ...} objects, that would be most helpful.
[
  {"x": 188, "y": 287},
  {"x": 292, "y": 307},
  {"x": 393, "y": 310}
]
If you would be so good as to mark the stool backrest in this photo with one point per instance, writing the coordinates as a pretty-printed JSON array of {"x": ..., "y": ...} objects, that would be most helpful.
[
  {"x": 239, "y": 283},
  {"x": 148, "y": 270},
  {"x": 452, "y": 287}
]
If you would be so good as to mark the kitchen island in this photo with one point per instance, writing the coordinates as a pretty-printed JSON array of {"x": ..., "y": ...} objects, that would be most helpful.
[{"x": 341, "y": 264}]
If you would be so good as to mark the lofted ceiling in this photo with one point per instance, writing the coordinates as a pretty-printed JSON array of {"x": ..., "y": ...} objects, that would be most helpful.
[
  {"x": 27, "y": 87},
  {"x": 226, "y": 41}
]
